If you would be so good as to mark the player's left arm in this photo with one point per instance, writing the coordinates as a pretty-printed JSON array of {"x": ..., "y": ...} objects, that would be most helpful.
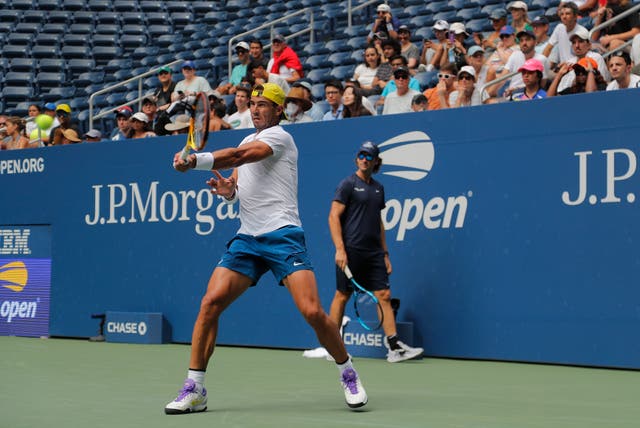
[{"x": 254, "y": 151}]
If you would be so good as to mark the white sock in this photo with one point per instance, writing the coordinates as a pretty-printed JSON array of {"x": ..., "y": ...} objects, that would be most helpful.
[
  {"x": 346, "y": 365},
  {"x": 197, "y": 376}
]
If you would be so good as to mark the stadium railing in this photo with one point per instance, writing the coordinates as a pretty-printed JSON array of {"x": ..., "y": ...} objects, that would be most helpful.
[
  {"x": 631, "y": 11},
  {"x": 351, "y": 9},
  {"x": 271, "y": 24}
]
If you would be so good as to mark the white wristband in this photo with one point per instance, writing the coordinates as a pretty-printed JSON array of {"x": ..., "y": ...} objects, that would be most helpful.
[
  {"x": 234, "y": 197},
  {"x": 204, "y": 161}
]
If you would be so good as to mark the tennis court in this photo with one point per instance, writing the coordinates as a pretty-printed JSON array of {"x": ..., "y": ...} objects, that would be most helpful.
[{"x": 75, "y": 383}]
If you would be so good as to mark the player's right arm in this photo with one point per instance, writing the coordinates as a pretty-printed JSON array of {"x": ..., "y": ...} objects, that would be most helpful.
[
  {"x": 254, "y": 151},
  {"x": 335, "y": 227}
]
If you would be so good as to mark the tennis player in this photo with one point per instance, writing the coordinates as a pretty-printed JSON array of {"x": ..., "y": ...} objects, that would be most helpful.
[
  {"x": 265, "y": 180},
  {"x": 358, "y": 234}
]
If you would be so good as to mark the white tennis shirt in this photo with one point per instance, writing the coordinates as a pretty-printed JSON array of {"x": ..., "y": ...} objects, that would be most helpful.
[{"x": 268, "y": 189}]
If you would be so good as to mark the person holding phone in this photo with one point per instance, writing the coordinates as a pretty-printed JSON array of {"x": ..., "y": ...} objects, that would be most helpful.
[{"x": 384, "y": 22}]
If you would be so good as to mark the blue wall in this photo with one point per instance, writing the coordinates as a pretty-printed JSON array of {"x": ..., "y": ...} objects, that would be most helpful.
[{"x": 512, "y": 229}]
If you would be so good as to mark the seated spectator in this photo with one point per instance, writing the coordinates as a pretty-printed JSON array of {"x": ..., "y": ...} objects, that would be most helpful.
[
  {"x": 241, "y": 119},
  {"x": 581, "y": 47},
  {"x": 15, "y": 134},
  {"x": 140, "y": 127},
  {"x": 3, "y": 127},
  {"x": 93, "y": 136},
  {"x": 519, "y": 15},
  {"x": 33, "y": 110},
  {"x": 296, "y": 104},
  {"x": 285, "y": 61},
  {"x": 256, "y": 52},
  {"x": 333, "y": 92},
  {"x": 261, "y": 75},
  {"x": 366, "y": 72},
  {"x": 587, "y": 78},
  {"x": 467, "y": 94},
  {"x": 616, "y": 34},
  {"x": 419, "y": 103},
  {"x": 456, "y": 51},
  {"x": 165, "y": 88},
  {"x": 123, "y": 114},
  {"x": 150, "y": 108},
  {"x": 540, "y": 26},
  {"x": 498, "y": 19},
  {"x": 315, "y": 112},
  {"x": 180, "y": 125},
  {"x": 432, "y": 50},
  {"x": 399, "y": 101},
  {"x": 620, "y": 70},
  {"x": 385, "y": 23},
  {"x": 531, "y": 72},
  {"x": 70, "y": 136},
  {"x": 475, "y": 58},
  {"x": 366, "y": 103},
  {"x": 397, "y": 61},
  {"x": 49, "y": 109},
  {"x": 499, "y": 58},
  {"x": 559, "y": 48},
  {"x": 390, "y": 48},
  {"x": 191, "y": 84},
  {"x": 63, "y": 113},
  {"x": 407, "y": 49},
  {"x": 446, "y": 85},
  {"x": 352, "y": 102},
  {"x": 239, "y": 70},
  {"x": 216, "y": 119}
]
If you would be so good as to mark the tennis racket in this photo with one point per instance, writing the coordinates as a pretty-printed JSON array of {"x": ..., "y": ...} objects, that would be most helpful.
[
  {"x": 197, "y": 107},
  {"x": 366, "y": 304}
]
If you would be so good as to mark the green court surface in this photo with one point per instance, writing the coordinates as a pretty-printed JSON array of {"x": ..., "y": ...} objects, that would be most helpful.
[{"x": 75, "y": 383}]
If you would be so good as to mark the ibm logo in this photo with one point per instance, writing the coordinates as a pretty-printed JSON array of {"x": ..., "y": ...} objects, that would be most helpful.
[{"x": 14, "y": 241}]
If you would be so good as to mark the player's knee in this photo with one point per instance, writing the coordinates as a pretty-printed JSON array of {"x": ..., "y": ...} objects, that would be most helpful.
[
  {"x": 211, "y": 306},
  {"x": 313, "y": 314},
  {"x": 384, "y": 295}
]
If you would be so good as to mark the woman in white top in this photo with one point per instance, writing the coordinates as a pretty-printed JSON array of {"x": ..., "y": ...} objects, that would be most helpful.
[{"x": 364, "y": 73}]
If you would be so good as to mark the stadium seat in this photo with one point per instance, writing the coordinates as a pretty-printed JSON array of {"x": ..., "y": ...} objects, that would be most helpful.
[
  {"x": 104, "y": 39},
  {"x": 75, "y": 40},
  {"x": 159, "y": 30},
  {"x": 201, "y": 8},
  {"x": 36, "y": 16},
  {"x": 468, "y": 14},
  {"x": 21, "y": 109},
  {"x": 45, "y": 51},
  {"x": 447, "y": 15},
  {"x": 18, "y": 78},
  {"x": 28, "y": 65},
  {"x": 134, "y": 29},
  {"x": 426, "y": 78},
  {"x": 152, "y": 6},
  {"x": 85, "y": 29},
  {"x": 236, "y": 5},
  {"x": 181, "y": 19},
  {"x": 79, "y": 52},
  {"x": 319, "y": 75},
  {"x": 478, "y": 25},
  {"x": 78, "y": 66},
  {"x": 10, "y": 15},
  {"x": 60, "y": 17},
  {"x": 20, "y": 39},
  {"x": 130, "y": 42},
  {"x": 342, "y": 72},
  {"x": 46, "y": 80},
  {"x": 53, "y": 28},
  {"x": 359, "y": 42},
  {"x": 49, "y": 4},
  {"x": 317, "y": 61},
  {"x": 22, "y": 4},
  {"x": 84, "y": 17},
  {"x": 99, "y": 5},
  {"x": 215, "y": 17},
  {"x": 58, "y": 93},
  {"x": 158, "y": 18},
  {"x": 135, "y": 18},
  {"x": 73, "y": 5},
  {"x": 107, "y": 29},
  {"x": 145, "y": 51},
  {"x": 102, "y": 54},
  {"x": 341, "y": 58},
  {"x": 178, "y": 6},
  {"x": 15, "y": 51},
  {"x": 125, "y": 6},
  {"x": 151, "y": 82},
  {"x": 52, "y": 64},
  {"x": 117, "y": 64},
  {"x": 27, "y": 27},
  {"x": 337, "y": 46},
  {"x": 108, "y": 18}
]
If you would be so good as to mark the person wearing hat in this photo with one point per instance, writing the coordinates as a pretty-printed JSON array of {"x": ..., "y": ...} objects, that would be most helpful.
[
  {"x": 399, "y": 101},
  {"x": 239, "y": 70},
  {"x": 241, "y": 119},
  {"x": 191, "y": 84},
  {"x": 498, "y": 19},
  {"x": 93, "y": 136},
  {"x": 531, "y": 71},
  {"x": 264, "y": 179},
  {"x": 506, "y": 47},
  {"x": 70, "y": 136},
  {"x": 475, "y": 58},
  {"x": 150, "y": 108},
  {"x": 540, "y": 26},
  {"x": 432, "y": 50},
  {"x": 466, "y": 93},
  {"x": 455, "y": 51},
  {"x": 123, "y": 114},
  {"x": 620, "y": 68},
  {"x": 179, "y": 126},
  {"x": 358, "y": 235},
  {"x": 385, "y": 23},
  {"x": 559, "y": 48},
  {"x": 519, "y": 15},
  {"x": 296, "y": 105},
  {"x": 140, "y": 126},
  {"x": 63, "y": 113},
  {"x": 408, "y": 49},
  {"x": 586, "y": 78},
  {"x": 165, "y": 87},
  {"x": 581, "y": 47},
  {"x": 284, "y": 61},
  {"x": 315, "y": 112},
  {"x": 50, "y": 110}
]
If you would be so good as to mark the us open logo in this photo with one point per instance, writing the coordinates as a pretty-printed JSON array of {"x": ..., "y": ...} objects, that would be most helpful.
[{"x": 411, "y": 156}]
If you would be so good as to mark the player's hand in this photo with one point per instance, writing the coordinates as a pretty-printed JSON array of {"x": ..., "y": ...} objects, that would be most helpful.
[
  {"x": 341, "y": 259},
  {"x": 183, "y": 165},
  {"x": 222, "y": 186}
]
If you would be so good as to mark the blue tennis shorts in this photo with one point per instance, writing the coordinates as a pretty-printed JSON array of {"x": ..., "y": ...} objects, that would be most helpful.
[
  {"x": 282, "y": 251},
  {"x": 368, "y": 270}
]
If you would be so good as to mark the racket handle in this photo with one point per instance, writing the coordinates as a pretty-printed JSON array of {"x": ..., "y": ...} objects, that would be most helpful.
[
  {"x": 347, "y": 272},
  {"x": 185, "y": 154}
]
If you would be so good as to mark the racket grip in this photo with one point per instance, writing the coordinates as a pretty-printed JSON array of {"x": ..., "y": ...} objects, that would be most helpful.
[
  {"x": 347, "y": 272},
  {"x": 185, "y": 153}
]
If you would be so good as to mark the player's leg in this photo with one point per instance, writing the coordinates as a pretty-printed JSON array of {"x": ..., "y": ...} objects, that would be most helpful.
[
  {"x": 225, "y": 285},
  {"x": 336, "y": 311},
  {"x": 303, "y": 288}
]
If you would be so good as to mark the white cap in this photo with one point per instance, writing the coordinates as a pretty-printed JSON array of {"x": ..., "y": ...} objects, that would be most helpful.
[
  {"x": 242, "y": 45},
  {"x": 581, "y": 32},
  {"x": 141, "y": 117},
  {"x": 458, "y": 28},
  {"x": 467, "y": 69},
  {"x": 441, "y": 24},
  {"x": 518, "y": 5},
  {"x": 383, "y": 8}
]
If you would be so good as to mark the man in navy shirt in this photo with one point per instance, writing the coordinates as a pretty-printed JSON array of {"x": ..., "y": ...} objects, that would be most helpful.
[{"x": 358, "y": 234}]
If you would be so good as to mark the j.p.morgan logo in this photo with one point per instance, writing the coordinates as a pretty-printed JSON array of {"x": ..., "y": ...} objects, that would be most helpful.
[{"x": 411, "y": 156}]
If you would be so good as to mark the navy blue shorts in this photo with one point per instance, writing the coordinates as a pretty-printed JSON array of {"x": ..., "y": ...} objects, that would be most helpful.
[
  {"x": 368, "y": 270},
  {"x": 282, "y": 251}
]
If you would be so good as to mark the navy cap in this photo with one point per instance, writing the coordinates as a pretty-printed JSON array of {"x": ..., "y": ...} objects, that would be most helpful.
[
  {"x": 540, "y": 20},
  {"x": 188, "y": 64},
  {"x": 369, "y": 147}
]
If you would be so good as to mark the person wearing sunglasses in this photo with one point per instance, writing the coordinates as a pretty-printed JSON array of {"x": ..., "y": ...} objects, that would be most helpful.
[
  {"x": 165, "y": 88},
  {"x": 466, "y": 95},
  {"x": 63, "y": 114},
  {"x": 191, "y": 83},
  {"x": 399, "y": 101},
  {"x": 586, "y": 78},
  {"x": 384, "y": 23},
  {"x": 358, "y": 235},
  {"x": 438, "y": 96}
]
